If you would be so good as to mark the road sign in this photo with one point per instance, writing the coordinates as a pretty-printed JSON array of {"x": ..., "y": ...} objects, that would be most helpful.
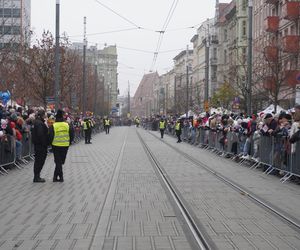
[
  {"x": 206, "y": 106},
  {"x": 50, "y": 99}
]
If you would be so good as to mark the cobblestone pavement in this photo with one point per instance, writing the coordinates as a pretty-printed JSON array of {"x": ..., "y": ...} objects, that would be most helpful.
[
  {"x": 111, "y": 199},
  {"x": 230, "y": 218},
  {"x": 285, "y": 196}
]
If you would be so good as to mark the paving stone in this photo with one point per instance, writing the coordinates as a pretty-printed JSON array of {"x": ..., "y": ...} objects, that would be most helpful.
[{"x": 137, "y": 213}]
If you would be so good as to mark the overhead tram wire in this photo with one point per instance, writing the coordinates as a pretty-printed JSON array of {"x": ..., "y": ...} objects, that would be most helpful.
[
  {"x": 106, "y": 32},
  {"x": 116, "y": 13},
  {"x": 162, "y": 32},
  {"x": 130, "y": 29}
]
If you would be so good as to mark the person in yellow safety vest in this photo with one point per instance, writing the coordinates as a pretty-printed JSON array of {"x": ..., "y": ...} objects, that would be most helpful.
[
  {"x": 162, "y": 127},
  {"x": 178, "y": 130},
  {"x": 137, "y": 122},
  {"x": 87, "y": 128},
  {"x": 60, "y": 136},
  {"x": 106, "y": 125}
]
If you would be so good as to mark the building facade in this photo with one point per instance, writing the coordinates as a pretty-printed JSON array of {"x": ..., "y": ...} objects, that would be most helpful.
[
  {"x": 205, "y": 44},
  {"x": 105, "y": 61},
  {"x": 183, "y": 80},
  {"x": 15, "y": 23},
  {"x": 276, "y": 51},
  {"x": 143, "y": 103}
]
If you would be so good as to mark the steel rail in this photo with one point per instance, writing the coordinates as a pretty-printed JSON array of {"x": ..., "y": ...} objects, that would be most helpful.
[
  {"x": 239, "y": 188},
  {"x": 200, "y": 240}
]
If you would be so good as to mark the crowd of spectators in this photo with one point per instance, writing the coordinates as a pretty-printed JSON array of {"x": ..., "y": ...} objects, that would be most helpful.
[
  {"x": 238, "y": 134},
  {"x": 16, "y": 122}
]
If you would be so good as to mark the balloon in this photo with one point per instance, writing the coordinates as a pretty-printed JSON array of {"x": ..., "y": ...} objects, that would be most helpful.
[{"x": 5, "y": 96}]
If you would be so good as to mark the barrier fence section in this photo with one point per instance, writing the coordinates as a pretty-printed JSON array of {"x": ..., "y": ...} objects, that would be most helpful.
[
  {"x": 8, "y": 152},
  {"x": 274, "y": 153}
]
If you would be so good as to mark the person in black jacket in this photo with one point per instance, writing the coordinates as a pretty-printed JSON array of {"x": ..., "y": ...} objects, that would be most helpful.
[
  {"x": 40, "y": 142},
  {"x": 61, "y": 135}
]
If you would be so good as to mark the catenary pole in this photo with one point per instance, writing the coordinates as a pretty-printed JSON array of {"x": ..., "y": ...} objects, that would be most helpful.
[
  {"x": 84, "y": 69},
  {"x": 206, "y": 92},
  {"x": 187, "y": 82},
  {"x": 249, "y": 63},
  {"x": 57, "y": 58}
]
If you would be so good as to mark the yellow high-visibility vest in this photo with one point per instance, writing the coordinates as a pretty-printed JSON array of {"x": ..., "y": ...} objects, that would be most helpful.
[
  {"x": 61, "y": 134},
  {"x": 177, "y": 126},
  {"x": 161, "y": 125},
  {"x": 107, "y": 122},
  {"x": 85, "y": 126}
]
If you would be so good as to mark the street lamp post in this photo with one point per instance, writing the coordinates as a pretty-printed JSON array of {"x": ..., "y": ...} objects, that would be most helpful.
[
  {"x": 249, "y": 63},
  {"x": 95, "y": 90},
  {"x": 187, "y": 81},
  {"x": 206, "y": 93},
  {"x": 57, "y": 75},
  {"x": 84, "y": 70}
]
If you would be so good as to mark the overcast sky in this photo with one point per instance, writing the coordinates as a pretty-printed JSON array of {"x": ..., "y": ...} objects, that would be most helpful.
[{"x": 136, "y": 46}]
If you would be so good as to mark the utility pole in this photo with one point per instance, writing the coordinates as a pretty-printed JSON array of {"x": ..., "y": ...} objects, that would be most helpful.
[
  {"x": 128, "y": 98},
  {"x": 249, "y": 66},
  {"x": 57, "y": 59},
  {"x": 175, "y": 95},
  {"x": 206, "y": 93},
  {"x": 84, "y": 69},
  {"x": 187, "y": 82},
  {"x": 95, "y": 90}
]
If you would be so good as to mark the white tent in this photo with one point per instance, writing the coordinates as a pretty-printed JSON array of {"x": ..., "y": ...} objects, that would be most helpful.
[{"x": 271, "y": 109}]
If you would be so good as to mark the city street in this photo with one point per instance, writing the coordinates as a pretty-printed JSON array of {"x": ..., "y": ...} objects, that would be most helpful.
[{"x": 114, "y": 197}]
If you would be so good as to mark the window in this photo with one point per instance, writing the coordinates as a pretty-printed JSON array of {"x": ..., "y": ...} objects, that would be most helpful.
[
  {"x": 10, "y": 30},
  {"x": 244, "y": 5},
  {"x": 16, "y": 30},
  {"x": 6, "y": 12},
  {"x": 225, "y": 35},
  {"x": 244, "y": 28},
  {"x": 7, "y": 30},
  {"x": 16, "y": 12}
]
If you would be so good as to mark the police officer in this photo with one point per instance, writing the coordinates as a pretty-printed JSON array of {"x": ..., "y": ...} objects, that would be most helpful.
[
  {"x": 162, "y": 127},
  {"x": 40, "y": 141},
  {"x": 87, "y": 131},
  {"x": 178, "y": 130},
  {"x": 60, "y": 135},
  {"x": 106, "y": 125}
]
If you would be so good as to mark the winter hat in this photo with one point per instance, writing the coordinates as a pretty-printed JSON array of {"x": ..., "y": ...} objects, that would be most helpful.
[
  {"x": 41, "y": 113},
  {"x": 268, "y": 116},
  {"x": 59, "y": 114},
  {"x": 3, "y": 123},
  {"x": 13, "y": 117}
]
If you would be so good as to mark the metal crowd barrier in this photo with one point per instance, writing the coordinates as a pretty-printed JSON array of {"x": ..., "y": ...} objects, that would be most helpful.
[
  {"x": 8, "y": 153},
  {"x": 272, "y": 152}
]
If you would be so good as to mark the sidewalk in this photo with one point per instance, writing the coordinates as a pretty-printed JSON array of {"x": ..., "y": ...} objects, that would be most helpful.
[{"x": 111, "y": 199}]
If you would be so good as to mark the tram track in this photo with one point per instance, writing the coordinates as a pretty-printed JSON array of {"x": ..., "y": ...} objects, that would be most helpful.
[
  {"x": 195, "y": 225},
  {"x": 242, "y": 190},
  {"x": 201, "y": 239}
]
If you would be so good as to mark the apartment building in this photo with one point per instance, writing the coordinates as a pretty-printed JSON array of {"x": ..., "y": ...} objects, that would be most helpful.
[
  {"x": 143, "y": 103},
  {"x": 183, "y": 80},
  {"x": 276, "y": 50},
  {"x": 106, "y": 63},
  {"x": 205, "y": 60},
  {"x": 232, "y": 29},
  {"x": 14, "y": 22}
]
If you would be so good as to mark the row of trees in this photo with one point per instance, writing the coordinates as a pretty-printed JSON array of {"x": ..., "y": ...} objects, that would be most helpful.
[{"x": 28, "y": 73}]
